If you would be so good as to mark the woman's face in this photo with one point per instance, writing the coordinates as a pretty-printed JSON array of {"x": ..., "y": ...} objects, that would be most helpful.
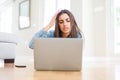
[{"x": 65, "y": 24}]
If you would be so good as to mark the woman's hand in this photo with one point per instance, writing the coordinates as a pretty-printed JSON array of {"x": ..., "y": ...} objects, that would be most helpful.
[{"x": 52, "y": 22}]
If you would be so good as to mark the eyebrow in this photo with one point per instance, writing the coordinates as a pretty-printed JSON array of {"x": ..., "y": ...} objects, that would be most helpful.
[{"x": 65, "y": 19}]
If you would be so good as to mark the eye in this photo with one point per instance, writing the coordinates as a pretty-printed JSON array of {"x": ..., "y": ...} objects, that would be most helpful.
[
  {"x": 68, "y": 20},
  {"x": 61, "y": 21}
]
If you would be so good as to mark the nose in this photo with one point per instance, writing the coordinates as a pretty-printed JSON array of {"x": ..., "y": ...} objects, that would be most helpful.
[{"x": 65, "y": 23}]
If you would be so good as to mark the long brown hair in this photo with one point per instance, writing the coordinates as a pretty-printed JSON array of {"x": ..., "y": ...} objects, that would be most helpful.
[{"x": 75, "y": 29}]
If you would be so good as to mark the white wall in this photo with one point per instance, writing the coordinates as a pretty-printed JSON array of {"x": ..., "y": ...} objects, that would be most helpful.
[
  {"x": 99, "y": 11},
  {"x": 93, "y": 22},
  {"x": 99, "y": 29},
  {"x": 88, "y": 28},
  {"x": 110, "y": 28},
  {"x": 26, "y": 34},
  {"x": 76, "y": 9}
]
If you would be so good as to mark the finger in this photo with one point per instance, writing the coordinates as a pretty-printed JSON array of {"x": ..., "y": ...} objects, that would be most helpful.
[{"x": 56, "y": 13}]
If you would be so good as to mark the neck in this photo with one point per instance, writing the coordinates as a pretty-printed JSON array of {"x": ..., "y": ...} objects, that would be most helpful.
[{"x": 65, "y": 35}]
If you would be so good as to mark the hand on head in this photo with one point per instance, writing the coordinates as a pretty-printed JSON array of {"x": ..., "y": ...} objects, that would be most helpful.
[{"x": 52, "y": 22}]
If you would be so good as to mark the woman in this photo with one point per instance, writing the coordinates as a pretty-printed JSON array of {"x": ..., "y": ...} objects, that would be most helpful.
[{"x": 65, "y": 27}]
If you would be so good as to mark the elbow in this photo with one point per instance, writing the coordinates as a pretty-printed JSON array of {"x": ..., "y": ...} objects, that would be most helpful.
[{"x": 31, "y": 45}]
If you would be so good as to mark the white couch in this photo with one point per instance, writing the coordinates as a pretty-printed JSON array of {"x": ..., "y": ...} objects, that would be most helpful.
[{"x": 8, "y": 43}]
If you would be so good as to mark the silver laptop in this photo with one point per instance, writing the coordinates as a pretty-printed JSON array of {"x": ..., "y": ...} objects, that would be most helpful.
[{"x": 58, "y": 53}]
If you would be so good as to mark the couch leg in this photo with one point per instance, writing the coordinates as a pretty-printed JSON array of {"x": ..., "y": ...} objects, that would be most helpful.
[{"x": 8, "y": 60}]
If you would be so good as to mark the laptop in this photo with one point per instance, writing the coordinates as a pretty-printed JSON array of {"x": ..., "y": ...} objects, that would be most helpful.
[{"x": 58, "y": 54}]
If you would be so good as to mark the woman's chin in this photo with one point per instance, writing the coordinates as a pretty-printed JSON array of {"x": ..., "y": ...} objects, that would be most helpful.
[{"x": 66, "y": 32}]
